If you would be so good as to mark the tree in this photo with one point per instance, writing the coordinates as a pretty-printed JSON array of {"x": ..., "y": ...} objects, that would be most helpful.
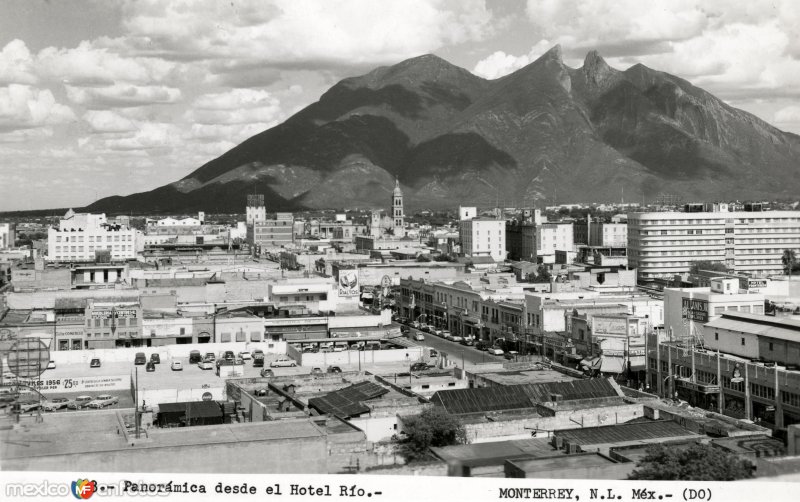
[
  {"x": 542, "y": 274},
  {"x": 433, "y": 427},
  {"x": 423, "y": 258},
  {"x": 699, "y": 462},
  {"x": 789, "y": 260},
  {"x": 714, "y": 266}
]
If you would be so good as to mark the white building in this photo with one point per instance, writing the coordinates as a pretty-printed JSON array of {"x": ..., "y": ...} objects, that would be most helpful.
[
  {"x": 80, "y": 236},
  {"x": 552, "y": 237},
  {"x": 7, "y": 235},
  {"x": 686, "y": 310},
  {"x": 183, "y": 222},
  {"x": 483, "y": 237},
  {"x": 665, "y": 244},
  {"x": 609, "y": 235}
]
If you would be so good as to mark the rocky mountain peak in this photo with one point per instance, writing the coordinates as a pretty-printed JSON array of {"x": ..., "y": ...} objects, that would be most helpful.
[{"x": 596, "y": 68}]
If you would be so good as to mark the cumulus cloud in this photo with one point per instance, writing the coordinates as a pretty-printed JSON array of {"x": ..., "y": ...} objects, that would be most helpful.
[
  {"x": 89, "y": 65},
  {"x": 25, "y": 107},
  {"x": 16, "y": 64},
  {"x": 303, "y": 31},
  {"x": 238, "y": 106},
  {"x": 500, "y": 64},
  {"x": 122, "y": 95},
  {"x": 107, "y": 121}
]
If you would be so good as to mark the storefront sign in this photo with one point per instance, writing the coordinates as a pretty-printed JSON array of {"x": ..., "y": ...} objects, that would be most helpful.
[
  {"x": 348, "y": 283},
  {"x": 118, "y": 314},
  {"x": 752, "y": 284},
  {"x": 697, "y": 387},
  {"x": 695, "y": 310},
  {"x": 79, "y": 384}
]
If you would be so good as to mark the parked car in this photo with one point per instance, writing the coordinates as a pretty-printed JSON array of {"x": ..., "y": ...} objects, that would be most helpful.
[
  {"x": 438, "y": 332},
  {"x": 423, "y": 326},
  {"x": 57, "y": 403},
  {"x": 209, "y": 355},
  {"x": 51, "y": 365},
  {"x": 27, "y": 406},
  {"x": 245, "y": 356},
  {"x": 267, "y": 373},
  {"x": 419, "y": 367},
  {"x": 340, "y": 347},
  {"x": 456, "y": 339},
  {"x": 481, "y": 345},
  {"x": 310, "y": 349},
  {"x": 79, "y": 402},
  {"x": 469, "y": 341},
  {"x": 102, "y": 401},
  {"x": 447, "y": 335},
  {"x": 140, "y": 358},
  {"x": 176, "y": 365},
  {"x": 283, "y": 362},
  {"x": 414, "y": 324},
  {"x": 511, "y": 355},
  {"x": 150, "y": 367},
  {"x": 334, "y": 369},
  {"x": 419, "y": 337},
  {"x": 404, "y": 330},
  {"x": 257, "y": 352},
  {"x": 95, "y": 363},
  {"x": 195, "y": 357},
  {"x": 316, "y": 371},
  {"x": 495, "y": 351},
  {"x": 206, "y": 364},
  {"x": 258, "y": 361},
  {"x": 155, "y": 358},
  {"x": 433, "y": 353},
  {"x": 228, "y": 354}
]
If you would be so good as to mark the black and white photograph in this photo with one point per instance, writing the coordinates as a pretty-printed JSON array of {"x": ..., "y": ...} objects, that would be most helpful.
[{"x": 400, "y": 250}]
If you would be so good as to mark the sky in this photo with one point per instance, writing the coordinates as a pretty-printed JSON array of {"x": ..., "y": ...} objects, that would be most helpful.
[{"x": 112, "y": 97}]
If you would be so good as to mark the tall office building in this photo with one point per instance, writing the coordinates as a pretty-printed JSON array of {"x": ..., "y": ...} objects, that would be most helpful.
[{"x": 752, "y": 241}]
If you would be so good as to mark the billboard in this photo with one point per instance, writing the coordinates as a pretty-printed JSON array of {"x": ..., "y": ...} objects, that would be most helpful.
[
  {"x": 79, "y": 384},
  {"x": 695, "y": 310},
  {"x": 348, "y": 283},
  {"x": 752, "y": 284}
]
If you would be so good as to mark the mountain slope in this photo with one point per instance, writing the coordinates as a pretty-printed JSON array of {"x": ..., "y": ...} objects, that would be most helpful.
[{"x": 546, "y": 131}]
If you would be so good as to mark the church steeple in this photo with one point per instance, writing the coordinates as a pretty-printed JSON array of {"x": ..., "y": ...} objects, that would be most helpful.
[{"x": 398, "y": 216}]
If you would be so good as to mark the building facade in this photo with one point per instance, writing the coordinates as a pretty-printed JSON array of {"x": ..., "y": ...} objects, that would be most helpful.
[
  {"x": 398, "y": 214},
  {"x": 83, "y": 237},
  {"x": 272, "y": 233},
  {"x": 661, "y": 245},
  {"x": 8, "y": 235},
  {"x": 483, "y": 237}
]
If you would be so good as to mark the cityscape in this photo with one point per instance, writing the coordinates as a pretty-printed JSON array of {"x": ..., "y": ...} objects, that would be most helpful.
[{"x": 553, "y": 270}]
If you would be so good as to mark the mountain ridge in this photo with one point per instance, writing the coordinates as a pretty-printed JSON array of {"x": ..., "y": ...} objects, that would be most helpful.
[{"x": 451, "y": 137}]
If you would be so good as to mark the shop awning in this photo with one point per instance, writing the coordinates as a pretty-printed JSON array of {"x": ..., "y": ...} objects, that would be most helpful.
[{"x": 612, "y": 364}]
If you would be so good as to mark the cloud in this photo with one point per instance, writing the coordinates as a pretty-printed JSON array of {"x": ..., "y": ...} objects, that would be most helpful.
[
  {"x": 25, "y": 107},
  {"x": 16, "y": 64},
  {"x": 238, "y": 106},
  {"x": 105, "y": 121},
  {"x": 500, "y": 64},
  {"x": 122, "y": 95},
  {"x": 302, "y": 31},
  {"x": 89, "y": 65}
]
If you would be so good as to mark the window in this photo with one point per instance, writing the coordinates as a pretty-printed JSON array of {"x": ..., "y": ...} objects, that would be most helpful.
[
  {"x": 716, "y": 337},
  {"x": 771, "y": 348},
  {"x": 742, "y": 341},
  {"x": 183, "y": 331}
]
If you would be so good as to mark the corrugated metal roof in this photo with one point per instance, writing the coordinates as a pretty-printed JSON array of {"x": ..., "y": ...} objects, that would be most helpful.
[
  {"x": 193, "y": 409},
  {"x": 348, "y": 402},
  {"x": 624, "y": 433},
  {"x": 510, "y": 397}
]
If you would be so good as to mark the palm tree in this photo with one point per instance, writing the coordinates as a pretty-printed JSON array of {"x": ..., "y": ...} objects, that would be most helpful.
[{"x": 789, "y": 260}]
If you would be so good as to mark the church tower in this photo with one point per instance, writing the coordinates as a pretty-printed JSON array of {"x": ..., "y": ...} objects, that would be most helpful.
[{"x": 397, "y": 207}]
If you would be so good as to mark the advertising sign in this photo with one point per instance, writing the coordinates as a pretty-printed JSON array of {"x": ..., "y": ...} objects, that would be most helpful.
[
  {"x": 752, "y": 284},
  {"x": 695, "y": 310},
  {"x": 119, "y": 314},
  {"x": 348, "y": 283},
  {"x": 79, "y": 384}
]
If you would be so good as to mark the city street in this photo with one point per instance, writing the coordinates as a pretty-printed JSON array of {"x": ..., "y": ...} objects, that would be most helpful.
[{"x": 455, "y": 351}]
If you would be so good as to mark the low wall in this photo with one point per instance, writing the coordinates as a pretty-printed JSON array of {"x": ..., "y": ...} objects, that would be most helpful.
[
  {"x": 352, "y": 357},
  {"x": 537, "y": 426},
  {"x": 166, "y": 352},
  {"x": 152, "y": 397}
]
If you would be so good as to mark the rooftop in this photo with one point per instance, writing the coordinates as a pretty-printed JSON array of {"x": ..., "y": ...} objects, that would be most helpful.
[
  {"x": 625, "y": 433},
  {"x": 773, "y": 327}
]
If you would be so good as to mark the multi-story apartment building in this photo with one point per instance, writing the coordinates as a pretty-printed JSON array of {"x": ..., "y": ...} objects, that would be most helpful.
[
  {"x": 81, "y": 237},
  {"x": 481, "y": 236},
  {"x": 272, "y": 233},
  {"x": 661, "y": 245},
  {"x": 552, "y": 237}
]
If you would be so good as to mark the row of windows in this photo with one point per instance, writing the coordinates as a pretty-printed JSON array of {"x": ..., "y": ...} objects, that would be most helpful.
[
  {"x": 79, "y": 249},
  {"x": 122, "y": 321},
  {"x": 91, "y": 238},
  {"x": 716, "y": 221}
]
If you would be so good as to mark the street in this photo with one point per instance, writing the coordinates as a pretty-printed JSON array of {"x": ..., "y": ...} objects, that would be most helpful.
[{"x": 455, "y": 351}]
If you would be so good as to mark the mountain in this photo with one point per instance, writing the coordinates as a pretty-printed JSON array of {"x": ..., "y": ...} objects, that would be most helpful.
[{"x": 546, "y": 132}]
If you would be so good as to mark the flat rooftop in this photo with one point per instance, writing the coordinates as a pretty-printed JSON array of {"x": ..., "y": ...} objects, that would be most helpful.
[
  {"x": 496, "y": 452},
  {"x": 96, "y": 431}
]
